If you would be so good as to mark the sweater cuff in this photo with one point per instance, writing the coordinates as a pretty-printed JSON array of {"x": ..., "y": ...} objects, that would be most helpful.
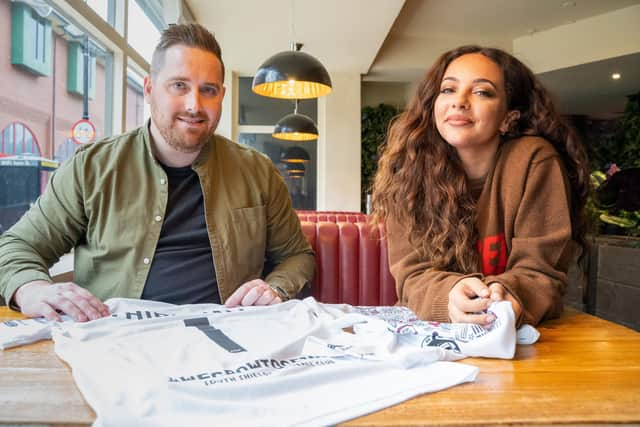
[
  {"x": 440, "y": 305},
  {"x": 440, "y": 308}
]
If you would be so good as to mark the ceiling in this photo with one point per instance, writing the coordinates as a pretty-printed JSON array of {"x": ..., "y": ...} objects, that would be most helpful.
[
  {"x": 396, "y": 40},
  {"x": 345, "y": 35}
]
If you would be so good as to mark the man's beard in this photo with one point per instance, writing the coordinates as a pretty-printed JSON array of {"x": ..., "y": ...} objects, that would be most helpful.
[{"x": 174, "y": 137}]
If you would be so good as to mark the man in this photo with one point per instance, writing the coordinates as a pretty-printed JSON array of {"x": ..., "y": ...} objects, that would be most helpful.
[{"x": 167, "y": 212}]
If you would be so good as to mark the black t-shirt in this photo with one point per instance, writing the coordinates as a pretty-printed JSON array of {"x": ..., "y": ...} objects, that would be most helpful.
[{"x": 182, "y": 271}]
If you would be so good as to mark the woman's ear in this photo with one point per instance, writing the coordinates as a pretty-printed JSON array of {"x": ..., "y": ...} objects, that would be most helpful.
[{"x": 511, "y": 117}]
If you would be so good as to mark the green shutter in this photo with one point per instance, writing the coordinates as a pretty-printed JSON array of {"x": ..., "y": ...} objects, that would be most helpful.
[
  {"x": 27, "y": 28},
  {"x": 75, "y": 70}
]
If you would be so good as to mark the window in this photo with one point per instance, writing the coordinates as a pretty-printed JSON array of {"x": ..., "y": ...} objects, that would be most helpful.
[
  {"x": 65, "y": 150},
  {"x": 30, "y": 40},
  {"x": 18, "y": 139},
  {"x": 143, "y": 27},
  {"x": 257, "y": 116},
  {"x": 137, "y": 111},
  {"x": 101, "y": 7},
  {"x": 43, "y": 101},
  {"x": 75, "y": 70},
  {"x": 300, "y": 181}
]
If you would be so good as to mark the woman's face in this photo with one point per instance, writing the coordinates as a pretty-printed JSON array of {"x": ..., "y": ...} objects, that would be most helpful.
[{"x": 471, "y": 108}]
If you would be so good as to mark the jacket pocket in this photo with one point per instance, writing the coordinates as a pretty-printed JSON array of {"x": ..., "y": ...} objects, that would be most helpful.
[{"x": 249, "y": 230}]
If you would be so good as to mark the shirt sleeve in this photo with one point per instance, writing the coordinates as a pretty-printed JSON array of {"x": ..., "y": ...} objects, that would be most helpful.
[
  {"x": 542, "y": 247},
  {"x": 287, "y": 248},
  {"x": 422, "y": 288},
  {"x": 48, "y": 230}
]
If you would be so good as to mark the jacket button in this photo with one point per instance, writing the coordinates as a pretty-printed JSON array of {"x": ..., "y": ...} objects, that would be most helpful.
[{"x": 146, "y": 260}]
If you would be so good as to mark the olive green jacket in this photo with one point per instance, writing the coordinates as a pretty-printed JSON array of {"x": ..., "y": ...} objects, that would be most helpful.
[{"x": 108, "y": 203}]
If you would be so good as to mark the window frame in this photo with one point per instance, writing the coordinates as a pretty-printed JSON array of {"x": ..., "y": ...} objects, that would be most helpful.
[{"x": 113, "y": 36}]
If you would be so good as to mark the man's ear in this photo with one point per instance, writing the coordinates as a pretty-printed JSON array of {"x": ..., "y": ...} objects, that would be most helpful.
[
  {"x": 147, "y": 88},
  {"x": 511, "y": 117}
]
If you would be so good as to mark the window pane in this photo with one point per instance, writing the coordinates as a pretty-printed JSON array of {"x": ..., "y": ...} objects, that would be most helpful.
[
  {"x": 8, "y": 139},
  {"x": 101, "y": 7},
  {"x": 65, "y": 150},
  {"x": 302, "y": 186},
  {"x": 47, "y": 110},
  {"x": 19, "y": 133},
  {"x": 258, "y": 110},
  {"x": 137, "y": 109},
  {"x": 28, "y": 143},
  {"x": 143, "y": 35}
]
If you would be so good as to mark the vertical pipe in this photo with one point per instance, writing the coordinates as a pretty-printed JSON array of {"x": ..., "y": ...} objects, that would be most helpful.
[{"x": 85, "y": 78}]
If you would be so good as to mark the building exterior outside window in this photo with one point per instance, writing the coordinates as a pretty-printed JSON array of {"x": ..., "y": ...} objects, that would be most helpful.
[{"x": 43, "y": 82}]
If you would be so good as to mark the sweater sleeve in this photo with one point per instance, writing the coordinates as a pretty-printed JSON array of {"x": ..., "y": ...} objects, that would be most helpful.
[
  {"x": 542, "y": 247},
  {"x": 420, "y": 287}
]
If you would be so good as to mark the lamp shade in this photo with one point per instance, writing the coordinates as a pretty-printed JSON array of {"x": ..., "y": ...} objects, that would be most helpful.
[
  {"x": 295, "y": 127},
  {"x": 295, "y": 155},
  {"x": 293, "y": 168},
  {"x": 292, "y": 75}
]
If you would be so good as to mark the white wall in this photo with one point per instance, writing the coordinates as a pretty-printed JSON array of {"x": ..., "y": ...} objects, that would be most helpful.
[
  {"x": 228, "y": 118},
  {"x": 339, "y": 145}
]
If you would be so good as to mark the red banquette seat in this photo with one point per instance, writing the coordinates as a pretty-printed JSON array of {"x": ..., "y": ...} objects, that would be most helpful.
[
  {"x": 331, "y": 216},
  {"x": 351, "y": 260}
]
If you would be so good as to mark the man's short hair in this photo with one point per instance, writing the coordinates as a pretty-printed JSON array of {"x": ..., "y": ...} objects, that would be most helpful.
[{"x": 190, "y": 35}]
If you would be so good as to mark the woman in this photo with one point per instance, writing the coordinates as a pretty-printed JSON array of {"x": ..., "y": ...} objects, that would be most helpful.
[{"x": 481, "y": 185}]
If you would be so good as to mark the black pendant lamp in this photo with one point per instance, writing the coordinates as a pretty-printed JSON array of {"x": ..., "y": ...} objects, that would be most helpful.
[
  {"x": 295, "y": 127},
  {"x": 295, "y": 168},
  {"x": 295, "y": 154},
  {"x": 292, "y": 75}
]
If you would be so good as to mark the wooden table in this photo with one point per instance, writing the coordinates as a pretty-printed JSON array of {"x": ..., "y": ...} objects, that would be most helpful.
[{"x": 584, "y": 370}]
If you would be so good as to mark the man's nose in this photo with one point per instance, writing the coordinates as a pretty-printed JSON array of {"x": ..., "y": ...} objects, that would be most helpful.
[{"x": 192, "y": 102}]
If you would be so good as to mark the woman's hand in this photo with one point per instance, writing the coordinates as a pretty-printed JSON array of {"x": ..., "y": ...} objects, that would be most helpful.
[
  {"x": 500, "y": 293},
  {"x": 468, "y": 299}
]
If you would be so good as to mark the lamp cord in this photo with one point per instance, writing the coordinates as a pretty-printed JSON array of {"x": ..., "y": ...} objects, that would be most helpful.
[{"x": 292, "y": 33}]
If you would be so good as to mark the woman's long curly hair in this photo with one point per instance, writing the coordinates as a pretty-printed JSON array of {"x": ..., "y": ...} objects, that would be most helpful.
[{"x": 421, "y": 182}]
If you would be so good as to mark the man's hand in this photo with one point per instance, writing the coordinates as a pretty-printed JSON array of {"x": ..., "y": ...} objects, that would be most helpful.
[
  {"x": 467, "y": 299},
  {"x": 499, "y": 293},
  {"x": 255, "y": 292},
  {"x": 41, "y": 298}
]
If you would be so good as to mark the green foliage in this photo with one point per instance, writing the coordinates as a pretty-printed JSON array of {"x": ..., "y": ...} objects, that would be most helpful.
[
  {"x": 629, "y": 133},
  {"x": 623, "y": 148},
  {"x": 374, "y": 126},
  {"x": 620, "y": 144},
  {"x": 605, "y": 219}
]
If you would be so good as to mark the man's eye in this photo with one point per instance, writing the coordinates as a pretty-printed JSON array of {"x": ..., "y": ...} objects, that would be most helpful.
[
  {"x": 210, "y": 90},
  {"x": 179, "y": 85}
]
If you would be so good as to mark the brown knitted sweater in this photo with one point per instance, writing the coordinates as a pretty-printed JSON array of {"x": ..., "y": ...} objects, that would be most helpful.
[{"x": 524, "y": 242}]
